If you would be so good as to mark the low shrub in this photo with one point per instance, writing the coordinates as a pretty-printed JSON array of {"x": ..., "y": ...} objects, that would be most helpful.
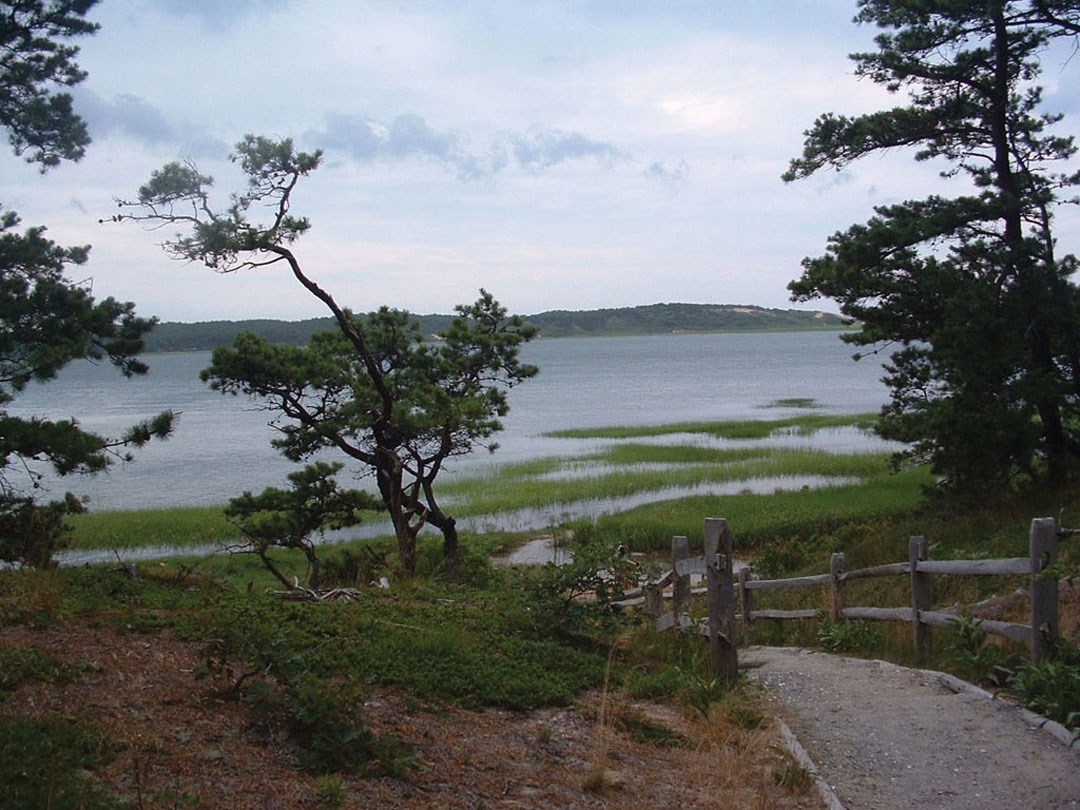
[
  {"x": 577, "y": 599},
  {"x": 1052, "y": 687},
  {"x": 974, "y": 657},
  {"x": 848, "y": 636},
  {"x": 48, "y": 762},
  {"x": 18, "y": 664},
  {"x": 288, "y": 691},
  {"x": 325, "y": 720}
]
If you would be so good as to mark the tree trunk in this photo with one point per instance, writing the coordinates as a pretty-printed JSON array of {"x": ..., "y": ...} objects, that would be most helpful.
[
  {"x": 450, "y": 549},
  {"x": 1024, "y": 267},
  {"x": 313, "y": 561},
  {"x": 406, "y": 540}
]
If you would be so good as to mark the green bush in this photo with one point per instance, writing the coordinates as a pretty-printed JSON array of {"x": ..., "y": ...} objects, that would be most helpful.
[
  {"x": 1052, "y": 687},
  {"x": 848, "y": 636},
  {"x": 355, "y": 567},
  {"x": 325, "y": 720},
  {"x": 577, "y": 599},
  {"x": 650, "y": 684},
  {"x": 48, "y": 762},
  {"x": 974, "y": 657},
  {"x": 18, "y": 664},
  {"x": 780, "y": 557},
  {"x": 287, "y": 687}
]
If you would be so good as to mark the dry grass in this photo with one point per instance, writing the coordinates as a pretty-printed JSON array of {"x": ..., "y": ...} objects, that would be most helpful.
[
  {"x": 178, "y": 738},
  {"x": 735, "y": 754}
]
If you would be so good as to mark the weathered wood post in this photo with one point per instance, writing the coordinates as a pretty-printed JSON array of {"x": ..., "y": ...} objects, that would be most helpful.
[
  {"x": 680, "y": 550},
  {"x": 721, "y": 600},
  {"x": 837, "y": 569},
  {"x": 654, "y": 599},
  {"x": 746, "y": 598},
  {"x": 920, "y": 596},
  {"x": 1044, "y": 587}
]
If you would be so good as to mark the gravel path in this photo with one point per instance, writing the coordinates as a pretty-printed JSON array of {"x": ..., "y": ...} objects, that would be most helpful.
[{"x": 888, "y": 738}]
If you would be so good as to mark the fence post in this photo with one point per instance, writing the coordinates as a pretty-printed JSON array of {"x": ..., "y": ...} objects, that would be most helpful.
[
  {"x": 718, "y": 538},
  {"x": 1044, "y": 587},
  {"x": 920, "y": 595},
  {"x": 654, "y": 599},
  {"x": 837, "y": 569},
  {"x": 680, "y": 601},
  {"x": 721, "y": 600},
  {"x": 746, "y": 597}
]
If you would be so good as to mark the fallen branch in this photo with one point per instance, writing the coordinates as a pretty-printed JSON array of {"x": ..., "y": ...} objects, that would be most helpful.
[{"x": 297, "y": 593}]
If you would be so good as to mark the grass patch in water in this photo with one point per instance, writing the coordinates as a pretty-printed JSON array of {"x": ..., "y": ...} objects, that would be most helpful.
[
  {"x": 627, "y": 470},
  {"x": 794, "y": 402},
  {"x": 621, "y": 470},
  {"x": 740, "y": 429},
  {"x": 180, "y": 526},
  {"x": 758, "y": 518}
]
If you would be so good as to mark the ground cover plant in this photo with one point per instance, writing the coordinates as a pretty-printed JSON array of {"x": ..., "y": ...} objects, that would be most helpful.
[{"x": 311, "y": 682}]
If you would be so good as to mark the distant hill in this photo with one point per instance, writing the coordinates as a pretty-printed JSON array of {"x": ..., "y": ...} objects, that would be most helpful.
[
  {"x": 653, "y": 319},
  {"x": 656, "y": 319}
]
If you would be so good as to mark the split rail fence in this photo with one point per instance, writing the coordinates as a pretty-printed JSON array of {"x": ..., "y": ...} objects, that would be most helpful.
[{"x": 716, "y": 566}]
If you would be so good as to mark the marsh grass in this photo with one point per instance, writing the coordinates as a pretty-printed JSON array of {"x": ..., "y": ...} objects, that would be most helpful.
[
  {"x": 803, "y": 425},
  {"x": 794, "y": 402},
  {"x": 623, "y": 470},
  {"x": 177, "y": 527},
  {"x": 760, "y": 518},
  {"x": 182, "y": 526},
  {"x": 626, "y": 470},
  {"x": 478, "y": 644}
]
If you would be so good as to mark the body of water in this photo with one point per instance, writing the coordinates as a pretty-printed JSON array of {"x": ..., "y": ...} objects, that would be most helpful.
[{"x": 221, "y": 445}]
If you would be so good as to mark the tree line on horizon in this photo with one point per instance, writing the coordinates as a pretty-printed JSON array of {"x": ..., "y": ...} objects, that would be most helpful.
[{"x": 171, "y": 336}]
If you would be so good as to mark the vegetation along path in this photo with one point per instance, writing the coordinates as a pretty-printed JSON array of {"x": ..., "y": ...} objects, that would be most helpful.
[{"x": 890, "y": 738}]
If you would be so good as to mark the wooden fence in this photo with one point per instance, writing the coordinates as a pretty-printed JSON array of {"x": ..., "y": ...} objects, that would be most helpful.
[{"x": 717, "y": 563}]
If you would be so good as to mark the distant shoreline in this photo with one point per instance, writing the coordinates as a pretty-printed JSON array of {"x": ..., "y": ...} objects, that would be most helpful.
[{"x": 654, "y": 319}]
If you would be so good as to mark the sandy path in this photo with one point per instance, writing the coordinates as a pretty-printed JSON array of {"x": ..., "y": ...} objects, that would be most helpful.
[{"x": 889, "y": 738}]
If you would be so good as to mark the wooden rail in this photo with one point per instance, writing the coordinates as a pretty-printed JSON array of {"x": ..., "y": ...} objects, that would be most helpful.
[{"x": 716, "y": 565}]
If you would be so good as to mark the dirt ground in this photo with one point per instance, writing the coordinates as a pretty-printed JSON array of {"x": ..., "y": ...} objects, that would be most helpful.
[{"x": 183, "y": 745}]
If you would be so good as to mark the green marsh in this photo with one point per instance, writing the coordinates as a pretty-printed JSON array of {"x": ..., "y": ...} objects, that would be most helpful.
[{"x": 649, "y": 482}]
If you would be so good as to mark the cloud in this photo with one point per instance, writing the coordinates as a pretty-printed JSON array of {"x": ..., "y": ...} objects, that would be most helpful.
[
  {"x": 215, "y": 14},
  {"x": 541, "y": 149},
  {"x": 132, "y": 117},
  {"x": 410, "y": 136},
  {"x": 405, "y": 137},
  {"x": 125, "y": 114},
  {"x": 673, "y": 178}
]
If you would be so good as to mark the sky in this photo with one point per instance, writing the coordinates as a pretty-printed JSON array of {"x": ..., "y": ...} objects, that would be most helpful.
[{"x": 561, "y": 155}]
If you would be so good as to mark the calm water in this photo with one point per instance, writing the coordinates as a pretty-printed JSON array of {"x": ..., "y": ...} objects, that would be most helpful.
[{"x": 221, "y": 445}]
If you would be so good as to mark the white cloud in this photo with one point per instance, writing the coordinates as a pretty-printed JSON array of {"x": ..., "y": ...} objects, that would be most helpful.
[{"x": 563, "y": 155}]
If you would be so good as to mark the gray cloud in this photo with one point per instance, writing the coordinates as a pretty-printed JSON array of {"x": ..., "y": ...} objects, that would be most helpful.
[
  {"x": 407, "y": 136},
  {"x": 674, "y": 178},
  {"x": 125, "y": 114},
  {"x": 215, "y": 13},
  {"x": 410, "y": 136},
  {"x": 132, "y": 117},
  {"x": 541, "y": 149}
]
